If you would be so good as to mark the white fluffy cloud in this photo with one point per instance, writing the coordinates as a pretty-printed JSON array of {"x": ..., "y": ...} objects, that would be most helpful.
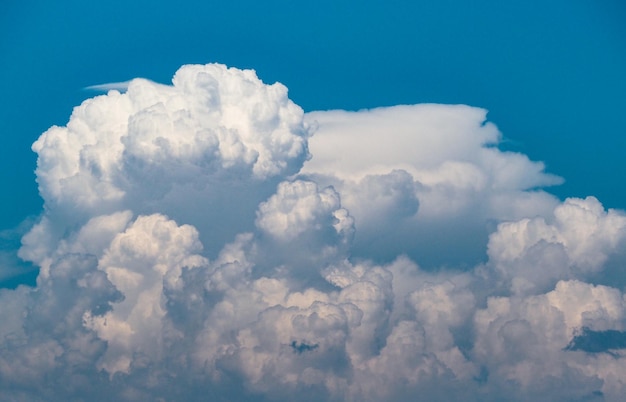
[
  {"x": 140, "y": 262},
  {"x": 417, "y": 172},
  {"x": 218, "y": 140},
  {"x": 207, "y": 239},
  {"x": 576, "y": 243}
]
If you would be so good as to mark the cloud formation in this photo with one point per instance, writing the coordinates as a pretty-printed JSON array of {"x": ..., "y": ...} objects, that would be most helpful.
[{"x": 208, "y": 239}]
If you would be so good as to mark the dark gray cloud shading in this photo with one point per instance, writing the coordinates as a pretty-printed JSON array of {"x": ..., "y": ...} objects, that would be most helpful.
[
  {"x": 209, "y": 240},
  {"x": 303, "y": 347},
  {"x": 592, "y": 341}
]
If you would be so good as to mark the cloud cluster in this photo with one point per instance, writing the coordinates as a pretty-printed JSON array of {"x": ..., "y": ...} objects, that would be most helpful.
[
  {"x": 209, "y": 240},
  {"x": 417, "y": 173},
  {"x": 217, "y": 140}
]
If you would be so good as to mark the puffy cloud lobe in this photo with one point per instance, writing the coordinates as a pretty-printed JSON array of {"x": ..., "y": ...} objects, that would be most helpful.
[
  {"x": 186, "y": 253},
  {"x": 139, "y": 263},
  {"x": 579, "y": 239},
  {"x": 416, "y": 172},
  {"x": 302, "y": 229},
  {"x": 524, "y": 339},
  {"x": 298, "y": 207}
]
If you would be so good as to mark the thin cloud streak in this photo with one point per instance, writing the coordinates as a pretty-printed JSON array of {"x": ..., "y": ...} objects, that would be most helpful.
[{"x": 111, "y": 86}]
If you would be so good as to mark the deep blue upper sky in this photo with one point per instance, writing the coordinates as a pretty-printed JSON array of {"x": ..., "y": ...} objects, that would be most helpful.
[{"x": 552, "y": 74}]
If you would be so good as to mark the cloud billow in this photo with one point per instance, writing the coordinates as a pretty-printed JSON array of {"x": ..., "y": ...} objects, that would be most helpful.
[{"x": 208, "y": 239}]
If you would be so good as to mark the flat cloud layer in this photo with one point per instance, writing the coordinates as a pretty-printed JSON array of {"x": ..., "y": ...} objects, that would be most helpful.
[{"x": 209, "y": 240}]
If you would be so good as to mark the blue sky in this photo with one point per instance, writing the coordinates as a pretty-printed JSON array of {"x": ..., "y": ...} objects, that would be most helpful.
[
  {"x": 551, "y": 75},
  {"x": 430, "y": 203}
]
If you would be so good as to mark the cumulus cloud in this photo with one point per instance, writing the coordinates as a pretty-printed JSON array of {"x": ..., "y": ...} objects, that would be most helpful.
[
  {"x": 208, "y": 239},
  {"x": 576, "y": 243},
  {"x": 218, "y": 140},
  {"x": 415, "y": 173}
]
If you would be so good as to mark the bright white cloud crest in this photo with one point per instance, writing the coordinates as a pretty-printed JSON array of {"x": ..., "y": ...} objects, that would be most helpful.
[{"x": 191, "y": 248}]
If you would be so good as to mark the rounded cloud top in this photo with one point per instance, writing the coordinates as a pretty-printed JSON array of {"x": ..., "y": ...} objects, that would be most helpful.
[{"x": 213, "y": 123}]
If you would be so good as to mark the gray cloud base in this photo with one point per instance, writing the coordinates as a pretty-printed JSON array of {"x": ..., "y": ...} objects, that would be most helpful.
[{"x": 209, "y": 240}]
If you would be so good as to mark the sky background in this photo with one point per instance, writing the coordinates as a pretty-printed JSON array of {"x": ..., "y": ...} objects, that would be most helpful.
[
  {"x": 431, "y": 203},
  {"x": 550, "y": 74}
]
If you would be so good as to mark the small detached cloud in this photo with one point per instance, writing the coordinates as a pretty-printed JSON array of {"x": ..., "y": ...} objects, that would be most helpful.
[
  {"x": 110, "y": 86},
  {"x": 208, "y": 239}
]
